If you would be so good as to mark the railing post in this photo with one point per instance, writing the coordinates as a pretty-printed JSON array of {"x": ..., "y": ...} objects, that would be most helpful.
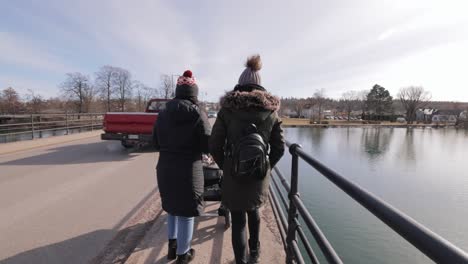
[
  {"x": 292, "y": 214},
  {"x": 32, "y": 126},
  {"x": 40, "y": 127},
  {"x": 66, "y": 120}
]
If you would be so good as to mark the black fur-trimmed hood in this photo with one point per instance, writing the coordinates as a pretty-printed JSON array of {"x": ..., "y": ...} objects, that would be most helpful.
[{"x": 256, "y": 99}]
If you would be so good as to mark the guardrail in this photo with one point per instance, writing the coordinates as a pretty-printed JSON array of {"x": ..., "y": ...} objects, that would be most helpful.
[
  {"x": 292, "y": 233},
  {"x": 35, "y": 124}
]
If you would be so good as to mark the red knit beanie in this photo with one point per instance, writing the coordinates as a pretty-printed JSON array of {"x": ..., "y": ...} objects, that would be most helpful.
[{"x": 186, "y": 78}]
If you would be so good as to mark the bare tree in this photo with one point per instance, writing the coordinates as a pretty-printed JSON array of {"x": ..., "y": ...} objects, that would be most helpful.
[
  {"x": 362, "y": 98},
  {"x": 10, "y": 101},
  {"x": 139, "y": 90},
  {"x": 143, "y": 94},
  {"x": 412, "y": 98},
  {"x": 77, "y": 89},
  {"x": 34, "y": 102},
  {"x": 105, "y": 84},
  {"x": 124, "y": 85},
  {"x": 167, "y": 87},
  {"x": 349, "y": 101},
  {"x": 298, "y": 106},
  {"x": 287, "y": 105},
  {"x": 90, "y": 95},
  {"x": 55, "y": 104},
  {"x": 320, "y": 100},
  {"x": 2, "y": 105}
]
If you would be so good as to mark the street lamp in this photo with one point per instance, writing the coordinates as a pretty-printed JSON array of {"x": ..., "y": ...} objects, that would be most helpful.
[
  {"x": 173, "y": 86},
  {"x": 172, "y": 80}
]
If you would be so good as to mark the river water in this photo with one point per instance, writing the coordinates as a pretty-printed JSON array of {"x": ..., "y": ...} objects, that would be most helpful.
[{"x": 422, "y": 172}]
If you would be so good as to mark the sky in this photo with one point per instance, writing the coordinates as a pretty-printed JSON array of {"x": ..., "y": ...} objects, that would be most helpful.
[{"x": 337, "y": 45}]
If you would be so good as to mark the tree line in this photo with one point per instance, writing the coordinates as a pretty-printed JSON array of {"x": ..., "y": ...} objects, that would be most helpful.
[
  {"x": 108, "y": 89},
  {"x": 113, "y": 89},
  {"x": 376, "y": 103}
]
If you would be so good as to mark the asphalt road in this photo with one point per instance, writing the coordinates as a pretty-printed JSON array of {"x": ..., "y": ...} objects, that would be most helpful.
[{"x": 64, "y": 203}]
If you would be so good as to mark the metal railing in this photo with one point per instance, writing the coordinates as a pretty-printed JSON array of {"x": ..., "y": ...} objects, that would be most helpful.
[
  {"x": 292, "y": 233},
  {"x": 35, "y": 124}
]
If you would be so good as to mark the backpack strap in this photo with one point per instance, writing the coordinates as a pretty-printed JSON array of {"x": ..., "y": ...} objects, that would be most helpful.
[{"x": 195, "y": 107}]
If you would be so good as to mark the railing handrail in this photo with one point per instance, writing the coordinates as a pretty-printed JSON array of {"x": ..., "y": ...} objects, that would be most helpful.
[
  {"x": 51, "y": 114},
  {"x": 429, "y": 243},
  {"x": 47, "y": 122},
  {"x": 38, "y": 123}
]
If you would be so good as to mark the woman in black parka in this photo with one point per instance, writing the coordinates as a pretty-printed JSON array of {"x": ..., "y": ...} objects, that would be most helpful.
[
  {"x": 248, "y": 103},
  {"x": 182, "y": 132}
]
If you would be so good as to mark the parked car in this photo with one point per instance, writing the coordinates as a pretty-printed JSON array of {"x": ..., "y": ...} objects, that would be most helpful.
[
  {"x": 212, "y": 114},
  {"x": 133, "y": 128},
  {"x": 401, "y": 120}
]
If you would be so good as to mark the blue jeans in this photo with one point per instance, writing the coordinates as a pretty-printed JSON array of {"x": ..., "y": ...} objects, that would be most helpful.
[{"x": 180, "y": 228}]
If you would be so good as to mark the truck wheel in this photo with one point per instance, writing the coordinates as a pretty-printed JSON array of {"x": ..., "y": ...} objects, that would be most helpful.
[{"x": 125, "y": 144}]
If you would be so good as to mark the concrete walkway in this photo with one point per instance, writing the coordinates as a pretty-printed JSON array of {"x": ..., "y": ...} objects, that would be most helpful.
[{"x": 211, "y": 241}]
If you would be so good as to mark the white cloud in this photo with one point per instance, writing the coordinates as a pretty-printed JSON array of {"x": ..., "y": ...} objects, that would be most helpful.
[
  {"x": 19, "y": 51},
  {"x": 446, "y": 64}
]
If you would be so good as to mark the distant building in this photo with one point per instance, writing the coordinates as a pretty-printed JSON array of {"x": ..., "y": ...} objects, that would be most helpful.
[
  {"x": 463, "y": 119},
  {"x": 425, "y": 115},
  {"x": 287, "y": 112},
  {"x": 436, "y": 116},
  {"x": 464, "y": 115},
  {"x": 445, "y": 117},
  {"x": 307, "y": 113}
]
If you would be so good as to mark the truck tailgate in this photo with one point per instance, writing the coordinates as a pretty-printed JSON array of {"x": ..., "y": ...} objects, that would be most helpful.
[{"x": 129, "y": 123}]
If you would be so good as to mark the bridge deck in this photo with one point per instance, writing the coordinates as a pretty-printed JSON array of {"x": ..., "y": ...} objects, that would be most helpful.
[{"x": 67, "y": 199}]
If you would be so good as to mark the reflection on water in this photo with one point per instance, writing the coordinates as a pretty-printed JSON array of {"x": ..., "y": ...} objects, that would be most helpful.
[
  {"x": 314, "y": 135},
  {"x": 408, "y": 152},
  {"x": 422, "y": 172},
  {"x": 376, "y": 141}
]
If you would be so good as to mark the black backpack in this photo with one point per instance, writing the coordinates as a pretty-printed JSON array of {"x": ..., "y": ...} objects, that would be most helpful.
[{"x": 250, "y": 156}]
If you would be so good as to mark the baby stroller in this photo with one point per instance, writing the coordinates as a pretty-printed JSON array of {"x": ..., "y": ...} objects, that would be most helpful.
[{"x": 213, "y": 181}]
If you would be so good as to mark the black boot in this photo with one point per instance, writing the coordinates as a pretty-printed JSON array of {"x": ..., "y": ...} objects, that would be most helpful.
[
  {"x": 187, "y": 257},
  {"x": 254, "y": 252},
  {"x": 171, "y": 249}
]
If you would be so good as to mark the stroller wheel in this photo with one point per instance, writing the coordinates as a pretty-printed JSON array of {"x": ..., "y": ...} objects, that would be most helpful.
[
  {"x": 222, "y": 210},
  {"x": 227, "y": 219}
]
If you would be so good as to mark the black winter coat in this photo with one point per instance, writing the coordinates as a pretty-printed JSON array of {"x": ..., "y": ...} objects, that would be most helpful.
[
  {"x": 182, "y": 132},
  {"x": 238, "y": 109}
]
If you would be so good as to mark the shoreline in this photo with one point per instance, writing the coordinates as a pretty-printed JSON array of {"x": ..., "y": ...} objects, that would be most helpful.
[
  {"x": 367, "y": 126},
  {"x": 289, "y": 122}
]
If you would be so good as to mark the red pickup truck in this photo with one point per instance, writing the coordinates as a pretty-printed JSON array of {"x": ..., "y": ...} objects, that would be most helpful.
[{"x": 133, "y": 128}]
